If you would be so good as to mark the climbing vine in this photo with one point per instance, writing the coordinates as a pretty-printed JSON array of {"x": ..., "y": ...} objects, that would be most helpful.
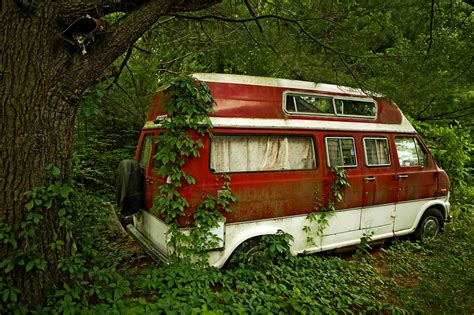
[
  {"x": 326, "y": 209},
  {"x": 23, "y": 253},
  {"x": 187, "y": 121}
]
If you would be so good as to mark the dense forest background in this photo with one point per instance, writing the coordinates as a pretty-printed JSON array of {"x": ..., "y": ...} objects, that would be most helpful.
[{"x": 418, "y": 53}]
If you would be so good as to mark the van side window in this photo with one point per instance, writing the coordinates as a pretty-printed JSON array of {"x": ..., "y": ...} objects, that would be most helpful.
[
  {"x": 409, "y": 152},
  {"x": 146, "y": 150},
  {"x": 341, "y": 151},
  {"x": 376, "y": 152},
  {"x": 318, "y": 105},
  {"x": 253, "y": 153},
  {"x": 356, "y": 108},
  {"x": 309, "y": 104}
]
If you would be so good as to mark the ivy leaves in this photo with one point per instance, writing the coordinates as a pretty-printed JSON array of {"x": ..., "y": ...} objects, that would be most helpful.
[
  {"x": 24, "y": 252},
  {"x": 187, "y": 121}
]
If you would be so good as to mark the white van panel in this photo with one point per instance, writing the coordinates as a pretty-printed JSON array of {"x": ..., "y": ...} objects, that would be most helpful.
[
  {"x": 345, "y": 228},
  {"x": 409, "y": 213},
  {"x": 377, "y": 216}
]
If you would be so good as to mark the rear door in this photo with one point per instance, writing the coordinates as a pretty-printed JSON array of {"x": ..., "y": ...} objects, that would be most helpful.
[{"x": 144, "y": 158}]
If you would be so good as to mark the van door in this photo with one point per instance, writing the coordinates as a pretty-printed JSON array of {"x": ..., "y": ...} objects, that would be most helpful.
[
  {"x": 416, "y": 177},
  {"x": 380, "y": 186},
  {"x": 144, "y": 159},
  {"x": 341, "y": 152}
]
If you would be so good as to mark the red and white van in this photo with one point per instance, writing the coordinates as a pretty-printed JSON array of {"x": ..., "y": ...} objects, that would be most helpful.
[{"x": 276, "y": 139}]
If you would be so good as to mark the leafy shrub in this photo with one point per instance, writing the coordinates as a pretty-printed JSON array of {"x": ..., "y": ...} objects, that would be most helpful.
[{"x": 452, "y": 147}]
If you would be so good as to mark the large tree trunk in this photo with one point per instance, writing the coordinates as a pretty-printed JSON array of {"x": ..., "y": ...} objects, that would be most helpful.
[
  {"x": 42, "y": 78},
  {"x": 37, "y": 119}
]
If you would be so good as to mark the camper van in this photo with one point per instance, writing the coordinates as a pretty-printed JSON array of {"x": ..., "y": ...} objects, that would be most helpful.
[{"x": 278, "y": 140}]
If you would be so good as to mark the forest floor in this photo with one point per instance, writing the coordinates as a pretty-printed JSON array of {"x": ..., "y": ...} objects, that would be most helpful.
[{"x": 401, "y": 276}]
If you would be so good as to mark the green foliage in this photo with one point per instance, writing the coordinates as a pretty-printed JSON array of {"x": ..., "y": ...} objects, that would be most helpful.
[
  {"x": 452, "y": 147},
  {"x": 406, "y": 277},
  {"x": 91, "y": 268},
  {"x": 393, "y": 48},
  {"x": 363, "y": 247},
  {"x": 23, "y": 253},
  {"x": 90, "y": 277},
  {"x": 435, "y": 275},
  {"x": 187, "y": 109},
  {"x": 105, "y": 135},
  {"x": 308, "y": 284}
]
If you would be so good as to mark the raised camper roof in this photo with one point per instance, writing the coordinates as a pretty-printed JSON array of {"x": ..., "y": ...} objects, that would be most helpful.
[
  {"x": 279, "y": 83},
  {"x": 259, "y": 102}
]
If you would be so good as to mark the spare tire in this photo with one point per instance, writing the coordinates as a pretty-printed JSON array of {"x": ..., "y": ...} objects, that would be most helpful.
[{"x": 129, "y": 187}]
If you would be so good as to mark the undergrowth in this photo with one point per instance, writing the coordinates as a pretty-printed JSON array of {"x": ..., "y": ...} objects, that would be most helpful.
[
  {"x": 429, "y": 277},
  {"x": 435, "y": 276}
]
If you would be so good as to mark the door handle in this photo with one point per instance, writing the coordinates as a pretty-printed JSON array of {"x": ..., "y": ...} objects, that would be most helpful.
[
  {"x": 369, "y": 179},
  {"x": 402, "y": 176}
]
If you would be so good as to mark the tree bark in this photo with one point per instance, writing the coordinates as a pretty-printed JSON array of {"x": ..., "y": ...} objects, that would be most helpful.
[{"x": 42, "y": 78}]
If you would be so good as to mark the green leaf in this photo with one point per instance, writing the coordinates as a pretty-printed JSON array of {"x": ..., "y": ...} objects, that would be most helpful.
[
  {"x": 65, "y": 191},
  {"x": 30, "y": 265}
]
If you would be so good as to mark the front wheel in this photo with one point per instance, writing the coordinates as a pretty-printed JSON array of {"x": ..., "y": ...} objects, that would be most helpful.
[{"x": 430, "y": 225}]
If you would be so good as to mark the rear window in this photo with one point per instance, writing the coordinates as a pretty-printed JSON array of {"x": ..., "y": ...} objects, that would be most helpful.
[
  {"x": 146, "y": 150},
  {"x": 258, "y": 153}
]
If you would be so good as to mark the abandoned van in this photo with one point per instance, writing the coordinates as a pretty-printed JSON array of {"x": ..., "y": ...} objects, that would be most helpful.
[{"x": 278, "y": 142}]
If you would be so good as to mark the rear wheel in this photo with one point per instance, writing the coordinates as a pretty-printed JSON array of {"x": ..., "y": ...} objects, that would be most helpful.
[{"x": 430, "y": 225}]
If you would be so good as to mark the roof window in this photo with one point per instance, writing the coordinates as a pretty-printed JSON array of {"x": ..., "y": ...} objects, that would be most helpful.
[{"x": 318, "y": 105}]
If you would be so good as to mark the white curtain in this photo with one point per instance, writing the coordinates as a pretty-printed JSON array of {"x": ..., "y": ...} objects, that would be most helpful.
[{"x": 261, "y": 153}]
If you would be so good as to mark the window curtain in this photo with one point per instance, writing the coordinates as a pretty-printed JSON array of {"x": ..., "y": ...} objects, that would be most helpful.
[
  {"x": 260, "y": 153},
  {"x": 382, "y": 152}
]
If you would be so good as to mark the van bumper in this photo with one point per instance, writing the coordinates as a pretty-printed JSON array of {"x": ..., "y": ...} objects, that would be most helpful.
[{"x": 155, "y": 253}]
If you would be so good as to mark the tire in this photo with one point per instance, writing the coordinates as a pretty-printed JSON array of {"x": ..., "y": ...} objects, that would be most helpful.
[{"x": 431, "y": 225}]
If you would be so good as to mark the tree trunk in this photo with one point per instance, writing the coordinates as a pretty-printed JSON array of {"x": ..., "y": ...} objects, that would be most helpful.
[
  {"x": 42, "y": 78},
  {"x": 37, "y": 119}
]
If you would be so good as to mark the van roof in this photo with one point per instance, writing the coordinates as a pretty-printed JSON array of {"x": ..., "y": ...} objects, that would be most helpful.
[
  {"x": 281, "y": 83},
  {"x": 243, "y": 101}
]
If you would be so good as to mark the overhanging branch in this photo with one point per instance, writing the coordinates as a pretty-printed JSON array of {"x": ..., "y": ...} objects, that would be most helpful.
[
  {"x": 120, "y": 36},
  {"x": 269, "y": 16}
]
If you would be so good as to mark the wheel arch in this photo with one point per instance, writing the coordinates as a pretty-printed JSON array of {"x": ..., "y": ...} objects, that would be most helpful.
[
  {"x": 437, "y": 204},
  {"x": 240, "y": 237}
]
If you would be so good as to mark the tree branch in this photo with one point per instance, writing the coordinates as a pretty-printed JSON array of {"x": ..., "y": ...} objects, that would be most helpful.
[
  {"x": 252, "y": 13},
  {"x": 121, "y": 36},
  {"x": 445, "y": 115},
  {"x": 76, "y": 8},
  {"x": 268, "y": 16},
  {"x": 430, "y": 40},
  {"x": 122, "y": 65}
]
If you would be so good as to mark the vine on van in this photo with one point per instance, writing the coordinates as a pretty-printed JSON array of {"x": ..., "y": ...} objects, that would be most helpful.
[
  {"x": 187, "y": 109},
  {"x": 326, "y": 210}
]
